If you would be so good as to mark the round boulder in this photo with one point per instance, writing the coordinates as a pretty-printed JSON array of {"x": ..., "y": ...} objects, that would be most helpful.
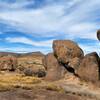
[{"x": 65, "y": 50}]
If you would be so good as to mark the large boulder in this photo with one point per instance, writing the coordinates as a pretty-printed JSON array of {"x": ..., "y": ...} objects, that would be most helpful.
[
  {"x": 54, "y": 70},
  {"x": 89, "y": 69},
  {"x": 65, "y": 50},
  {"x": 8, "y": 63}
]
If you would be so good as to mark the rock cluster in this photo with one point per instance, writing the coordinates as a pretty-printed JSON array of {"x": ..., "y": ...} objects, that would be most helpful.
[
  {"x": 67, "y": 56},
  {"x": 8, "y": 63}
]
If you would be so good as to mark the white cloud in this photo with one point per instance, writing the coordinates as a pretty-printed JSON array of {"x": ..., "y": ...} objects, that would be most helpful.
[
  {"x": 19, "y": 4},
  {"x": 72, "y": 18},
  {"x": 90, "y": 48},
  {"x": 54, "y": 18},
  {"x": 25, "y": 40}
]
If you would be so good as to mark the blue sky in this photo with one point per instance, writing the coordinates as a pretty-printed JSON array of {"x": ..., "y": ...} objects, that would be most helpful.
[{"x": 32, "y": 25}]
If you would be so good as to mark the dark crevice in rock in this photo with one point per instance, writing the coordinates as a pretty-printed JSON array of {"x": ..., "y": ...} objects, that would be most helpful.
[{"x": 69, "y": 68}]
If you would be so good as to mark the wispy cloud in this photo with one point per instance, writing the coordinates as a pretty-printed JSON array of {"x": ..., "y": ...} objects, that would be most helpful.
[
  {"x": 68, "y": 18},
  {"x": 15, "y": 5},
  {"x": 29, "y": 41}
]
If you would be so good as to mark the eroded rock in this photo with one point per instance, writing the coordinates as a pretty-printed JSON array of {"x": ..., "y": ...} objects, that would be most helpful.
[
  {"x": 54, "y": 70},
  {"x": 65, "y": 50},
  {"x": 89, "y": 69}
]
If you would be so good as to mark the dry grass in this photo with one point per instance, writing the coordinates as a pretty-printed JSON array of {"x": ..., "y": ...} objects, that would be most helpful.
[
  {"x": 10, "y": 81},
  {"x": 53, "y": 87}
]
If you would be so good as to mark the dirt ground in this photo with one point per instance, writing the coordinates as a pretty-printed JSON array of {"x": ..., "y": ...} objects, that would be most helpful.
[
  {"x": 37, "y": 94},
  {"x": 14, "y": 86}
]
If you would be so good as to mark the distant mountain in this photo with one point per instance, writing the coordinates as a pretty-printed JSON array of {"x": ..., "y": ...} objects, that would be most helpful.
[{"x": 38, "y": 53}]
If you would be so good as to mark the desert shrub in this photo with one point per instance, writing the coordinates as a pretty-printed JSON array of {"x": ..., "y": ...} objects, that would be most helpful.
[
  {"x": 41, "y": 73},
  {"x": 37, "y": 73},
  {"x": 21, "y": 68},
  {"x": 29, "y": 72},
  {"x": 53, "y": 87}
]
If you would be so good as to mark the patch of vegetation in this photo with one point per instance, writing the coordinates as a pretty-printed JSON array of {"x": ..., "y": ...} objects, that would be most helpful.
[
  {"x": 53, "y": 87},
  {"x": 8, "y": 82}
]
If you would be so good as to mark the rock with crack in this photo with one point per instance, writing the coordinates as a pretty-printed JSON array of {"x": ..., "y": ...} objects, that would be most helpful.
[{"x": 68, "y": 53}]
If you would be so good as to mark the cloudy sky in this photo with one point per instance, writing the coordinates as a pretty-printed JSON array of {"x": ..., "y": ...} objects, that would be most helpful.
[{"x": 32, "y": 25}]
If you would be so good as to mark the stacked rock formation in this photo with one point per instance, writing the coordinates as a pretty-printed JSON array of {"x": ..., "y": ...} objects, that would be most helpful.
[{"x": 67, "y": 56}]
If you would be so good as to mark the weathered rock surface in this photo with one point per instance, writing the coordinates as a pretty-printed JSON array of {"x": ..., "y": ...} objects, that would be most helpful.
[
  {"x": 65, "y": 50},
  {"x": 8, "y": 63},
  {"x": 75, "y": 63},
  {"x": 89, "y": 69},
  {"x": 54, "y": 70}
]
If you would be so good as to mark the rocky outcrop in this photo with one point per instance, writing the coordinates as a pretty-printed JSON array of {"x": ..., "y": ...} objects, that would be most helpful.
[
  {"x": 8, "y": 63},
  {"x": 65, "y": 50},
  {"x": 89, "y": 69},
  {"x": 54, "y": 70}
]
